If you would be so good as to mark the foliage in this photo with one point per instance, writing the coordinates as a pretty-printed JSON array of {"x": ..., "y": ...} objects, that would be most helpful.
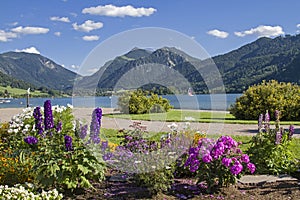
[
  {"x": 58, "y": 155},
  {"x": 217, "y": 163},
  {"x": 137, "y": 102},
  {"x": 13, "y": 169},
  {"x": 150, "y": 162},
  {"x": 270, "y": 148},
  {"x": 270, "y": 96},
  {"x": 27, "y": 192}
]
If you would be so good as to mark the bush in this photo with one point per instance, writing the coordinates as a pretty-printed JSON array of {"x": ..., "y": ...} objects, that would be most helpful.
[
  {"x": 269, "y": 149},
  {"x": 137, "y": 102},
  {"x": 269, "y": 96},
  {"x": 48, "y": 138}
]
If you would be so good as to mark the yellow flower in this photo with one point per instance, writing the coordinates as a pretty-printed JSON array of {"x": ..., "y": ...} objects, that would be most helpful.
[
  {"x": 5, "y": 164},
  {"x": 112, "y": 146},
  {"x": 3, "y": 159}
]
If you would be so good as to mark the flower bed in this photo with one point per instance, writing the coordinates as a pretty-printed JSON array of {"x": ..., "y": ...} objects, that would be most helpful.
[{"x": 49, "y": 148}]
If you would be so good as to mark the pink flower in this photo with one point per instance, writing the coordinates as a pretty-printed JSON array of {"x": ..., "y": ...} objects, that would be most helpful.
[
  {"x": 251, "y": 167},
  {"x": 245, "y": 158},
  {"x": 236, "y": 168}
]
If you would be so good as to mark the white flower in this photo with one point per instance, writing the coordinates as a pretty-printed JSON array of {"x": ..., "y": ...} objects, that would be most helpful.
[
  {"x": 137, "y": 161},
  {"x": 70, "y": 106},
  {"x": 167, "y": 167}
]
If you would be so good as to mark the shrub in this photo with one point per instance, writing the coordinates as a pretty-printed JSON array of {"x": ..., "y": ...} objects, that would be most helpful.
[
  {"x": 270, "y": 96},
  {"x": 137, "y": 102},
  {"x": 217, "y": 163},
  {"x": 59, "y": 156},
  {"x": 150, "y": 163},
  {"x": 269, "y": 149}
]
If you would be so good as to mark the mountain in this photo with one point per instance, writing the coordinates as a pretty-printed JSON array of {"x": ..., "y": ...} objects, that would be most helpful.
[
  {"x": 36, "y": 70},
  {"x": 263, "y": 59}
]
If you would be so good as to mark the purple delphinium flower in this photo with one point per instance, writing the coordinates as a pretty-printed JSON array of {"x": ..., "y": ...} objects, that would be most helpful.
[
  {"x": 107, "y": 156},
  {"x": 48, "y": 121},
  {"x": 68, "y": 142},
  {"x": 267, "y": 121},
  {"x": 226, "y": 161},
  {"x": 95, "y": 125},
  {"x": 278, "y": 138},
  {"x": 251, "y": 167},
  {"x": 31, "y": 140},
  {"x": 104, "y": 145},
  {"x": 83, "y": 131},
  {"x": 260, "y": 122},
  {"x": 291, "y": 131},
  {"x": 58, "y": 127},
  {"x": 38, "y": 120},
  {"x": 245, "y": 158},
  {"x": 236, "y": 168}
]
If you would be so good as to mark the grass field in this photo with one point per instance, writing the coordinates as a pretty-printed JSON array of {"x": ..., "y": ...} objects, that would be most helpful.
[
  {"x": 188, "y": 115},
  {"x": 111, "y": 135},
  {"x": 21, "y": 92}
]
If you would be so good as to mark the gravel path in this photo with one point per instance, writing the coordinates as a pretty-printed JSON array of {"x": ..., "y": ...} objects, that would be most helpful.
[{"x": 210, "y": 128}]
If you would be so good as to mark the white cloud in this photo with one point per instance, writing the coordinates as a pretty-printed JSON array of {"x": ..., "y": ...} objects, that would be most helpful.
[
  {"x": 7, "y": 36},
  {"x": 30, "y": 30},
  {"x": 262, "y": 31},
  {"x": 298, "y": 25},
  {"x": 90, "y": 38},
  {"x": 60, "y": 19},
  {"x": 88, "y": 26},
  {"x": 57, "y": 34},
  {"x": 114, "y": 11},
  {"x": 218, "y": 33},
  {"x": 92, "y": 70},
  {"x": 29, "y": 50}
]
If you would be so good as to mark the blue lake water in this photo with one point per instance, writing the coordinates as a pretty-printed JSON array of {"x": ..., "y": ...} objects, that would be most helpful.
[{"x": 203, "y": 101}]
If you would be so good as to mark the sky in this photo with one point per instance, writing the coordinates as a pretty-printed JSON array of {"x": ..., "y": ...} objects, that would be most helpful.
[{"x": 68, "y": 31}]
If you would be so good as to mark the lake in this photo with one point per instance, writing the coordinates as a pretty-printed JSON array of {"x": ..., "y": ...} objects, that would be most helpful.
[{"x": 196, "y": 102}]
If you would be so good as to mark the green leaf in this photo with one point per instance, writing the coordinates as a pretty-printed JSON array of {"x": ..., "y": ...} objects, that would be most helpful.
[{"x": 83, "y": 169}]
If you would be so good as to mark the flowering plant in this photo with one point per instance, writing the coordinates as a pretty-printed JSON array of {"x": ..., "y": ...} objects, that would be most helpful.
[
  {"x": 27, "y": 192},
  {"x": 218, "y": 163},
  {"x": 269, "y": 148},
  {"x": 59, "y": 158}
]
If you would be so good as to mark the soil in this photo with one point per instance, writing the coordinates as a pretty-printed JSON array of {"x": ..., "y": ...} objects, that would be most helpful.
[{"x": 184, "y": 189}]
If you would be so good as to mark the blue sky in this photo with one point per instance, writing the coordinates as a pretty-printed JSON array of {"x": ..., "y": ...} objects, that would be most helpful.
[{"x": 66, "y": 31}]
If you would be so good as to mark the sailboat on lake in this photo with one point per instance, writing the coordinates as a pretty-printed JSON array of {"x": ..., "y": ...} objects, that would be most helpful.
[{"x": 190, "y": 92}]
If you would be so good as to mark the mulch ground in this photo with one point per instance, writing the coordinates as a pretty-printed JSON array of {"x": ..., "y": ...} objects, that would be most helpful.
[{"x": 183, "y": 189}]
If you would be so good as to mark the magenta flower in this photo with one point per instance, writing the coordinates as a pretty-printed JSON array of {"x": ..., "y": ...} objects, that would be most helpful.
[
  {"x": 236, "y": 168},
  {"x": 207, "y": 158},
  {"x": 245, "y": 158},
  {"x": 251, "y": 167},
  {"x": 226, "y": 161}
]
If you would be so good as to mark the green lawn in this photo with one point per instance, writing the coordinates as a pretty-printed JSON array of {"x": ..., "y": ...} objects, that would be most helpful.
[
  {"x": 111, "y": 135},
  {"x": 20, "y": 92},
  {"x": 196, "y": 116}
]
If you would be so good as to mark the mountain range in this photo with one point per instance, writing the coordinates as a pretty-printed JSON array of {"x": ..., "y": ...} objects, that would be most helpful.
[{"x": 263, "y": 59}]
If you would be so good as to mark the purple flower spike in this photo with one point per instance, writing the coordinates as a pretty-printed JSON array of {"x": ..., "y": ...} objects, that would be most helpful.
[
  {"x": 95, "y": 125},
  {"x": 48, "y": 121},
  {"x": 68, "y": 143},
  {"x": 38, "y": 120},
  {"x": 31, "y": 140},
  {"x": 83, "y": 131},
  {"x": 59, "y": 127},
  {"x": 291, "y": 131},
  {"x": 267, "y": 121}
]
